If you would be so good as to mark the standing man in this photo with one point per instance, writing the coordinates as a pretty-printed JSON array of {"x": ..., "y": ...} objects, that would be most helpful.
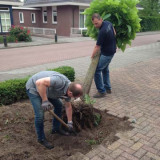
[
  {"x": 106, "y": 44},
  {"x": 44, "y": 90}
]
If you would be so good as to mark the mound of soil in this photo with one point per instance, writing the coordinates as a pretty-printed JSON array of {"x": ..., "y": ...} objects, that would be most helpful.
[{"x": 18, "y": 139}]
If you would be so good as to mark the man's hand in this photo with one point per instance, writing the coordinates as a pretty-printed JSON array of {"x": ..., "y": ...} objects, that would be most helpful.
[
  {"x": 46, "y": 105},
  {"x": 70, "y": 126}
]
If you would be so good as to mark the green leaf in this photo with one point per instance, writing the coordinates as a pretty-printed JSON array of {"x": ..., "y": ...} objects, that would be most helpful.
[
  {"x": 129, "y": 28},
  {"x": 106, "y": 16}
]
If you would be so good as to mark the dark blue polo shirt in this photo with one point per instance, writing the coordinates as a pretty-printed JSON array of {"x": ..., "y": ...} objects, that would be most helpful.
[{"x": 106, "y": 39}]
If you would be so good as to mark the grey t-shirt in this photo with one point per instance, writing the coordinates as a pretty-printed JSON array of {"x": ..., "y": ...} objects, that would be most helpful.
[{"x": 58, "y": 84}]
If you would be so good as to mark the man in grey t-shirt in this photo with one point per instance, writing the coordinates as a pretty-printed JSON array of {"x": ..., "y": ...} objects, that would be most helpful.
[{"x": 45, "y": 89}]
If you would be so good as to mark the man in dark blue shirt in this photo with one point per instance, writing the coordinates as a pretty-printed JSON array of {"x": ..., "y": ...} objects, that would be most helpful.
[{"x": 106, "y": 44}]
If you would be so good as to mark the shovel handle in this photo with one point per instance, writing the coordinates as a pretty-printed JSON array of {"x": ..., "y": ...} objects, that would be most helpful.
[{"x": 59, "y": 119}]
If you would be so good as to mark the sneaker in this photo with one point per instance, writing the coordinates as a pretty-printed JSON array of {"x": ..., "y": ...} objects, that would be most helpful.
[
  {"x": 46, "y": 144},
  {"x": 99, "y": 95},
  {"x": 61, "y": 132},
  {"x": 109, "y": 91}
]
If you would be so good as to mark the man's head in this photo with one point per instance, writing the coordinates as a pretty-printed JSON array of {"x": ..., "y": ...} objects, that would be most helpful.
[
  {"x": 75, "y": 90},
  {"x": 97, "y": 20}
]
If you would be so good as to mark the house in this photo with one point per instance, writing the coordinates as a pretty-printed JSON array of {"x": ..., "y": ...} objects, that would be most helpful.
[
  {"x": 64, "y": 16},
  {"x": 6, "y": 14}
]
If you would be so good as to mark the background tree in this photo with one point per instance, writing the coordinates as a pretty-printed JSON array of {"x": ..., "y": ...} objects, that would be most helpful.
[{"x": 151, "y": 8}]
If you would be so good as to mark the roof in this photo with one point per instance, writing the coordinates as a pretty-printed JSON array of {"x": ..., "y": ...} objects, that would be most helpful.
[
  {"x": 40, "y": 3},
  {"x": 11, "y": 2}
]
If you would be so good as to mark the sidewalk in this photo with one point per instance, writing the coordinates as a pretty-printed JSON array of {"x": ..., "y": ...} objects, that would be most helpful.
[
  {"x": 36, "y": 41},
  {"x": 135, "y": 78},
  {"x": 136, "y": 92}
]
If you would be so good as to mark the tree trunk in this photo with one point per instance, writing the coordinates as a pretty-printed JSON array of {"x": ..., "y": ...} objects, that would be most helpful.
[
  {"x": 84, "y": 115},
  {"x": 90, "y": 74}
]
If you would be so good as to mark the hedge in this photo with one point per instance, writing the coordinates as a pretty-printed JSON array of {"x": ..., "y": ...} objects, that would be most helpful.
[
  {"x": 14, "y": 90},
  {"x": 9, "y": 39},
  {"x": 150, "y": 24}
]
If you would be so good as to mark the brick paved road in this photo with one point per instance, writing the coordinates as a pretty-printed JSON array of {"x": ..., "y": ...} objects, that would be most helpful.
[{"x": 136, "y": 92}]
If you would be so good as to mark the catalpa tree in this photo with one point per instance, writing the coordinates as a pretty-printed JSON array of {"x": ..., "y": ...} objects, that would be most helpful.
[{"x": 121, "y": 13}]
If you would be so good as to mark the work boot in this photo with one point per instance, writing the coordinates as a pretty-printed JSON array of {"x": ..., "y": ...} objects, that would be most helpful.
[
  {"x": 109, "y": 91},
  {"x": 61, "y": 132},
  {"x": 46, "y": 144},
  {"x": 99, "y": 95}
]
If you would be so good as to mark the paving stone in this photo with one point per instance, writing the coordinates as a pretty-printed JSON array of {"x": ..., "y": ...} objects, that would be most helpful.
[
  {"x": 154, "y": 139},
  {"x": 157, "y": 146},
  {"x": 103, "y": 149},
  {"x": 146, "y": 158},
  {"x": 92, "y": 153},
  {"x": 143, "y": 136},
  {"x": 96, "y": 158},
  {"x": 150, "y": 149},
  {"x": 136, "y": 146},
  {"x": 153, "y": 156},
  {"x": 128, "y": 156},
  {"x": 103, "y": 156},
  {"x": 126, "y": 142},
  {"x": 116, "y": 153},
  {"x": 114, "y": 146},
  {"x": 127, "y": 149},
  {"x": 148, "y": 143},
  {"x": 140, "y": 153},
  {"x": 121, "y": 158}
]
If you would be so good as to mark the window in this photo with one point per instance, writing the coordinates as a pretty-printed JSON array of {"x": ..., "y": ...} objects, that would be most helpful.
[
  {"x": 5, "y": 21},
  {"x": 54, "y": 17},
  {"x": 33, "y": 17},
  {"x": 82, "y": 19},
  {"x": 21, "y": 18},
  {"x": 44, "y": 16}
]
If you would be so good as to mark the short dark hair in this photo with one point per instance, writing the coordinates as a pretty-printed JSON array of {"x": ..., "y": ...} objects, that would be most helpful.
[
  {"x": 96, "y": 15},
  {"x": 76, "y": 89}
]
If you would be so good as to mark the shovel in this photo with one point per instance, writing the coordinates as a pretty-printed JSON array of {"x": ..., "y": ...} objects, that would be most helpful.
[{"x": 61, "y": 121}]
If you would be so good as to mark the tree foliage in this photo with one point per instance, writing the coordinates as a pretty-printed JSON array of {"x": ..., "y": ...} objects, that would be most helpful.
[
  {"x": 121, "y": 13},
  {"x": 150, "y": 7}
]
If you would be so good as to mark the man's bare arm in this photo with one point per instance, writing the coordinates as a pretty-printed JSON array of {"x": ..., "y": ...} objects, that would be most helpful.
[
  {"x": 42, "y": 85},
  {"x": 95, "y": 50},
  {"x": 68, "y": 110}
]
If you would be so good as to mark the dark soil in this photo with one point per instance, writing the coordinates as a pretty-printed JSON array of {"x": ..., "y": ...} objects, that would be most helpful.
[{"x": 18, "y": 139}]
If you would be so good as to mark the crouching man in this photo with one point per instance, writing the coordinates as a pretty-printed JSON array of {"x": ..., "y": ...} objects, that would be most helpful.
[{"x": 45, "y": 89}]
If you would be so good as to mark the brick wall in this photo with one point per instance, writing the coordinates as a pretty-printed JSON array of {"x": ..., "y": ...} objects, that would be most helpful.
[
  {"x": 27, "y": 18},
  {"x": 67, "y": 17}
]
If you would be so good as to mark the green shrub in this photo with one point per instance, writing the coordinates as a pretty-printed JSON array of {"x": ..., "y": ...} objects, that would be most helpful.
[
  {"x": 84, "y": 33},
  {"x": 67, "y": 71},
  {"x": 11, "y": 38},
  {"x": 123, "y": 14},
  {"x": 1, "y": 39},
  {"x": 21, "y": 34},
  {"x": 150, "y": 24},
  {"x": 14, "y": 90}
]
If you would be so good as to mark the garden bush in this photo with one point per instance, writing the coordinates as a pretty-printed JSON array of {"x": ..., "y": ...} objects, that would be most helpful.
[
  {"x": 9, "y": 39},
  {"x": 67, "y": 71},
  {"x": 150, "y": 23},
  {"x": 21, "y": 34},
  {"x": 123, "y": 14},
  {"x": 14, "y": 90}
]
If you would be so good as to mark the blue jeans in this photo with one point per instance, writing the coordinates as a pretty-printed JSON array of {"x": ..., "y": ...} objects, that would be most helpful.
[
  {"x": 101, "y": 77},
  {"x": 36, "y": 102}
]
